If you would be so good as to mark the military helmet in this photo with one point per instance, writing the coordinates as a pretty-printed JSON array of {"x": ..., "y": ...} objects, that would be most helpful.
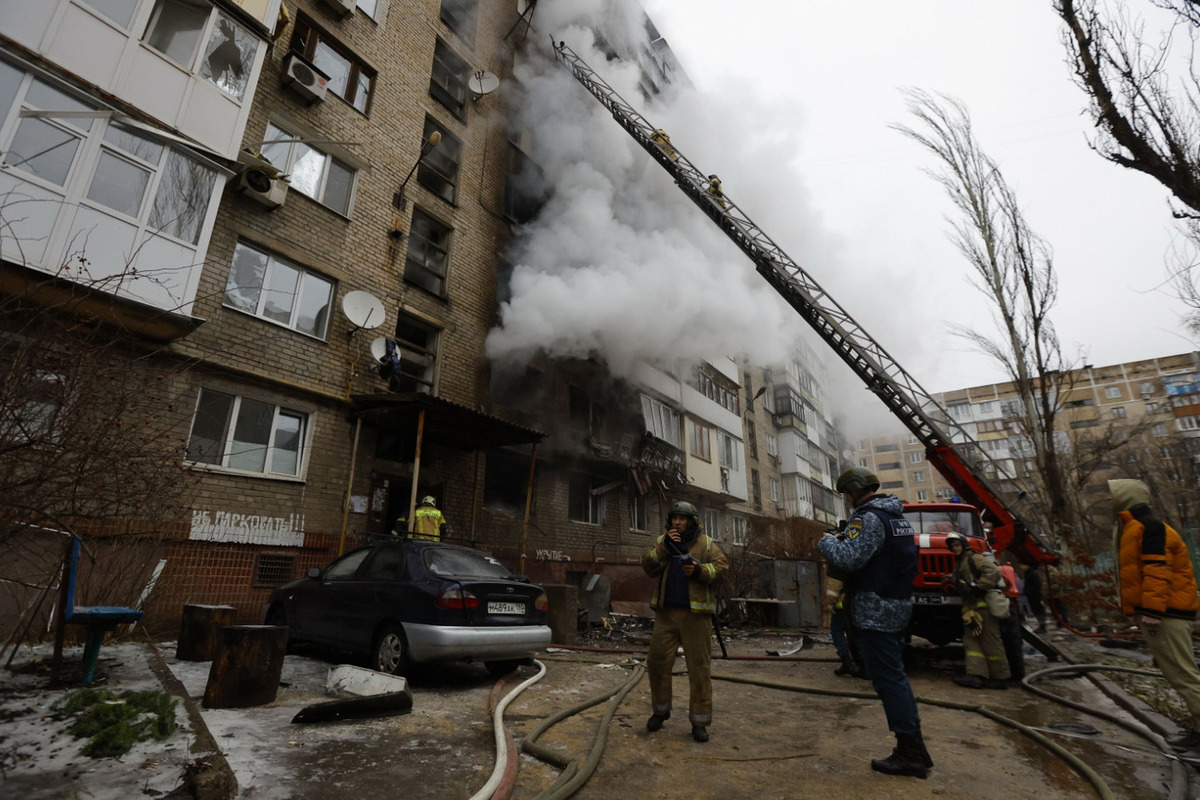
[
  {"x": 427, "y": 500},
  {"x": 856, "y": 479},
  {"x": 684, "y": 509}
]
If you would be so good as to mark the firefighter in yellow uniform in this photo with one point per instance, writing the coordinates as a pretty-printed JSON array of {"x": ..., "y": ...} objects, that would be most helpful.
[
  {"x": 428, "y": 522},
  {"x": 688, "y": 566}
]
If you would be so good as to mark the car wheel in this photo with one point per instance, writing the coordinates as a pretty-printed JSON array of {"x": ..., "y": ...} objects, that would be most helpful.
[
  {"x": 391, "y": 650},
  {"x": 498, "y": 669}
]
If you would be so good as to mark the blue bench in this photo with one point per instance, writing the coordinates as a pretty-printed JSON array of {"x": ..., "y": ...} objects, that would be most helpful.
[{"x": 97, "y": 620}]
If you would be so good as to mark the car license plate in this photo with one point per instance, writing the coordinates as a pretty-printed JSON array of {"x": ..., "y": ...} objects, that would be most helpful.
[{"x": 506, "y": 608}]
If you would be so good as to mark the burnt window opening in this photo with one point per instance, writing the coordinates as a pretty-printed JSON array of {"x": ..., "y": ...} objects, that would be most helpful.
[{"x": 505, "y": 481}]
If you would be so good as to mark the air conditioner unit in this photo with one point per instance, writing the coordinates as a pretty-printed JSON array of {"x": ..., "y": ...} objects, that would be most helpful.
[
  {"x": 304, "y": 79},
  {"x": 258, "y": 184},
  {"x": 343, "y": 8}
]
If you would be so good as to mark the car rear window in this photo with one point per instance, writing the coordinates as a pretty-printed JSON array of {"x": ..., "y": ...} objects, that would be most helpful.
[{"x": 464, "y": 564}]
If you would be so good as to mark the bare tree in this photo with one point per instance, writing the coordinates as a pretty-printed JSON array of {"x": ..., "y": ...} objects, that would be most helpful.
[
  {"x": 1014, "y": 269},
  {"x": 1145, "y": 100}
]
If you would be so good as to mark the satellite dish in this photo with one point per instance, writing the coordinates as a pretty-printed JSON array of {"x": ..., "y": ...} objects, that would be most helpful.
[
  {"x": 379, "y": 349},
  {"x": 483, "y": 82},
  {"x": 363, "y": 309}
]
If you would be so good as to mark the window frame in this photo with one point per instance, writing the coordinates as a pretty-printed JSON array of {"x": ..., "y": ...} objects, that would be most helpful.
[
  {"x": 296, "y": 149},
  {"x": 660, "y": 419},
  {"x": 595, "y": 502},
  {"x": 448, "y": 78},
  {"x": 441, "y": 165},
  {"x": 466, "y": 31},
  {"x": 233, "y": 418},
  {"x": 197, "y": 60},
  {"x": 264, "y": 291},
  {"x": 700, "y": 440},
  {"x": 739, "y": 529},
  {"x": 421, "y": 245},
  {"x": 414, "y": 352},
  {"x": 307, "y": 36}
]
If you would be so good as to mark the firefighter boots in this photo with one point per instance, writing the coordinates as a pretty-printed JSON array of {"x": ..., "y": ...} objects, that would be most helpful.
[
  {"x": 910, "y": 758},
  {"x": 656, "y": 721},
  {"x": 700, "y": 733},
  {"x": 969, "y": 681}
]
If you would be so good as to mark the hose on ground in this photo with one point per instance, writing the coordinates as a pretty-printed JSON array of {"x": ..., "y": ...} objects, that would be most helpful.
[
  {"x": 574, "y": 774},
  {"x": 498, "y": 770},
  {"x": 1179, "y": 775},
  {"x": 1071, "y": 759}
]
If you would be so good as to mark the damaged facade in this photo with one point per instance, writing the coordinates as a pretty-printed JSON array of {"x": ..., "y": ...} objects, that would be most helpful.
[{"x": 207, "y": 182}]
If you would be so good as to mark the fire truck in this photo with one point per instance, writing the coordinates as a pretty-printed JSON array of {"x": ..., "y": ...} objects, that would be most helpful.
[{"x": 947, "y": 444}]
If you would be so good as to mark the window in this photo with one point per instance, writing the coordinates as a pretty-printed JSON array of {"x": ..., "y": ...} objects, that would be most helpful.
[
  {"x": 912, "y": 439},
  {"x": 248, "y": 435},
  {"x": 701, "y": 440},
  {"x": 984, "y": 408},
  {"x": 752, "y": 438},
  {"x": 889, "y": 465},
  {"x": 755, "y": 490},
  {"x": 1189, "y": 423},
  {"x": 922, "y": 495},
  {"x": 886, "y": 448},
  {"x": 505, "y": 481},
  {"x": 428, "y": 246},
  {"x": 119, "y": 11},
  {"x": 1119, "y": 412},
  {"x": 717, "y": 391},
  {"x": 438, "y": 171},
  {"x": 1146, "y": 389},
  {"x": 919, "y": 476},
  {"x": 862, "y": 462},
  {"x": 960, "y": 411},
  {"x": 637, "y": 512},
  {"x": 176, "y": 29},
  {"x": 459, "y": 16},
  {"x": 416, "y": 342},
  {"x": 312, "y": 172},
  {"x": 272, "y": 289},
  {"x": 712, "y": 523},
  {"x": 1160, "y": 429},
  {"x": 583, "y": 504},
  {"x": 727, "y": 451},
  {"x": 773, "y": 489},
  {"x": 772, "y": 447},
  {"x": 448, "y": 79},
  {"x": 741, "y": 530},
  {"x": 662, "y": 422},
  {"x": 524, "y": 186},
  {"x": 916, "y": 458},
  {"x": 1112, "y": 392},
  {"x": 893, "y": 484},
  {"x": 349, "y": 78}
]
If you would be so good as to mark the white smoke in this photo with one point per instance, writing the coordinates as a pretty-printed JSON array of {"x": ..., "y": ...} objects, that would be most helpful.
[{"x": 619, "y": 264}]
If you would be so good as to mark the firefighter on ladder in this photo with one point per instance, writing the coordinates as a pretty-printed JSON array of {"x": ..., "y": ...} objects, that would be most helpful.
[{"x": 714, "y": 188}]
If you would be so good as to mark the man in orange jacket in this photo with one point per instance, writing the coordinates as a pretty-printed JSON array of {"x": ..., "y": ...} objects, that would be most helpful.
[{"x": 1158, "y": 586}]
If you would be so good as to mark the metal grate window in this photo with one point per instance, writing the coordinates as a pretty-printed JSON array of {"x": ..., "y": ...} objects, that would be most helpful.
[{"x": 273, "y": 569}]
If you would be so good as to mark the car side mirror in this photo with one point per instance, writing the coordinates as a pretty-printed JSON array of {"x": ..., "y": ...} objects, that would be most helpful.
[{"x": 314, "y": 572}]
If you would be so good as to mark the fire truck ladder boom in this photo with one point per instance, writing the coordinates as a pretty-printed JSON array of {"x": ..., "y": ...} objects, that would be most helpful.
[{"x": 898, "y": 390}]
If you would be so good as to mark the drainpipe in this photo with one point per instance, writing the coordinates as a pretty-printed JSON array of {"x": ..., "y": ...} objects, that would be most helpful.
[
  {"x": 412, "y": 498},
  {"x": 349, "y": 488}
]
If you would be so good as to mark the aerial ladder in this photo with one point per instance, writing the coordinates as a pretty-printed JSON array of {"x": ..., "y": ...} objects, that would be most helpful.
[{"x": 913, "y": 406}]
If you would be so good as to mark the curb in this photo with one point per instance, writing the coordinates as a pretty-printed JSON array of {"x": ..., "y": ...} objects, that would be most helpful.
[{"x": 209, "y": 777}]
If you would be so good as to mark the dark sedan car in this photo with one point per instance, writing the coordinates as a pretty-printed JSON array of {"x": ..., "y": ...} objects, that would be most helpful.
[{"x": 406, "y": 601}]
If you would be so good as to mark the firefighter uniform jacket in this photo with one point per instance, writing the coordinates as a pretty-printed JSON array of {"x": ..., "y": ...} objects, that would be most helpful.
[
  {"x": 709, "y": 572},
  {"x": 1155, "y": 572},
  {"x": 428, "y": 522}
]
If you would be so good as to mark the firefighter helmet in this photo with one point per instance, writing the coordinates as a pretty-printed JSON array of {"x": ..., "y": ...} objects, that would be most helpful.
[
  {"x": 682, "y": 508},
  {"x": 957, "y": 537},
  {"x": 427, "y": 500},
  {"x": 856, "y": 479}
]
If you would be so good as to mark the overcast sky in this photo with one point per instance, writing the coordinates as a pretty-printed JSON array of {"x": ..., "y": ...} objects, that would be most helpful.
[{"x": 826, "y": 78}]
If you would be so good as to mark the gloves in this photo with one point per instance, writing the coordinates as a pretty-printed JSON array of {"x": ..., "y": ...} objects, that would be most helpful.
[
  {"x": 972, "y": 621},
  {"x": 1150, "y": 623}
]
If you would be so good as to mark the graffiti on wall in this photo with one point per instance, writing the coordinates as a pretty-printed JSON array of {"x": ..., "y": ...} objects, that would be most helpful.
[
  {"x": 552, "y": 555},
  {"x": 233, "y": 528}
]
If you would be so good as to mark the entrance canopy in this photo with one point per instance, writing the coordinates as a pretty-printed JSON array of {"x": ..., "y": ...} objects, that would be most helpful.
[{"x": 446, "y": 423}]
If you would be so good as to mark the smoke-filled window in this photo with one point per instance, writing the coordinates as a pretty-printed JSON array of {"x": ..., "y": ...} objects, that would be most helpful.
[
  {"x": 448, "y": 79},
  {"x": 428, "y": 248},
  {"x": 438, "y": 170},
  {"x": 459, "y": 16}
]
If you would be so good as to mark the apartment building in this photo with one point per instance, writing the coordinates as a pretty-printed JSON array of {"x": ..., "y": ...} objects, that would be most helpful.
[
  {"x": 293, "y": 215},
  {"x": 1155, "y": 401}
]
